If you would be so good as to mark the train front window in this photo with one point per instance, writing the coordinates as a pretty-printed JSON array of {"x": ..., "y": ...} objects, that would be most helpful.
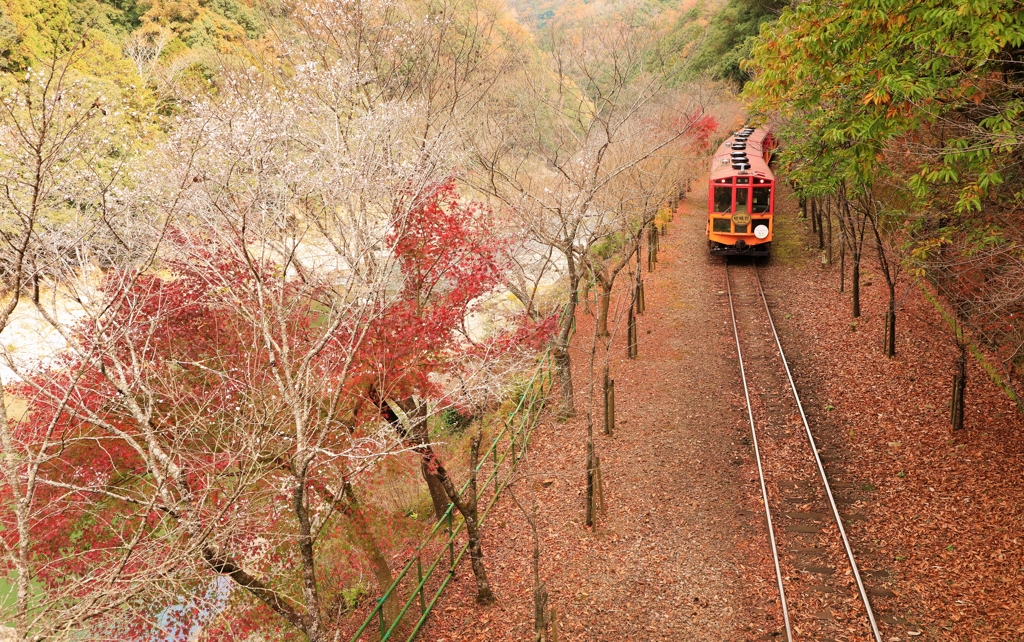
[
  {"x": 723, "y": 199},
  {"x": 721, "y": 225},
  {"x": 762, "y": 200},
  {"x": 742, "y": 196}
]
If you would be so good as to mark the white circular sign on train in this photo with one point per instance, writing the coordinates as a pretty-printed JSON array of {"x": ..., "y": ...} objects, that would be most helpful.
[{"x": 761, "y": 231}]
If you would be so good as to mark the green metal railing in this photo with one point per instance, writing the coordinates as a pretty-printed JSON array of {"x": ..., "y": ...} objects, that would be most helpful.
[{"x": 441, "y": 541}]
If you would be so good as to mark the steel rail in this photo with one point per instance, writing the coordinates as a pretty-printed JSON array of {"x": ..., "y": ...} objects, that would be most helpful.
[
  {"x": 821, "y": 466},
  {"x": 757, "y": 458}
]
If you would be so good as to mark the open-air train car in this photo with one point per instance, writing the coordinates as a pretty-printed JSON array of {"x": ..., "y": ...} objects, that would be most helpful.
[{"x": 741, "y": 195}]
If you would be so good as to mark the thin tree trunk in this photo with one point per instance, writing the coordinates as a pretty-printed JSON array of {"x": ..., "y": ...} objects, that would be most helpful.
[
  {"x": 959, "y": 387},
  {"x": 609, "y": 402},
  {"x": 540, "y": 610},
  {"x": 631, "y": 332},
  {"x": 855, "y": 283},
  {"x": 857, "y": 229},
  {"x": 468, "y": 508},
  {"x": 638, "y": 296},
  {"x": 21, "y": 506},
  {"x": 890, "y": 272},
  {"x": 563, "y": 366},
  {"x": 590, "y": 483},
  {"x": 604, "y": 298},
  {"x": 842, "y": 268},
  {"x": 541, "y": 617},
  {"x": 821, "y": 226},
  {"x": 540, "y": 590},
  {"x": 652, "y": 248},
  {"x": 828, "y": 213},
  {"x": 890, "y": 325},
  {"x": 609, "y": 429}
]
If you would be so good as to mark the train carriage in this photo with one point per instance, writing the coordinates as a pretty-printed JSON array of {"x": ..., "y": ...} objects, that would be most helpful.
[{"x": 741, "y": 195}]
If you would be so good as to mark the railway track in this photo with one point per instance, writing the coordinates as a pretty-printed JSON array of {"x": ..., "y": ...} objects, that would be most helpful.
[{"x": 821, "y": 590}]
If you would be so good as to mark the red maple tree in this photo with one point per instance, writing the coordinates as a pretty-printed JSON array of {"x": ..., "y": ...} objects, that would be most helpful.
[{"x": 214, "y": 422}]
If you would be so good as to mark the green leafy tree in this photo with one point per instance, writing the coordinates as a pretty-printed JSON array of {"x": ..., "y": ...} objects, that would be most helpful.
[{"x": 925, "y": 95}]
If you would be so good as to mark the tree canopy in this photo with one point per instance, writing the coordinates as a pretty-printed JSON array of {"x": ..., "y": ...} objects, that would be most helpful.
[{"x": 913, "y": 109}]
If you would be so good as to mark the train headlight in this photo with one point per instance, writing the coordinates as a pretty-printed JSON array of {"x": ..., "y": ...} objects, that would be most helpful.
[{"x": 761, "y": 231}]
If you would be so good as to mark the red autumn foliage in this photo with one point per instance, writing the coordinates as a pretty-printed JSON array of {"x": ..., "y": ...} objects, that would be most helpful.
[
  {"x": 174, "y": 423},
  {"x": 448, "y": 258},
  {"x": 698, "y": 128}
]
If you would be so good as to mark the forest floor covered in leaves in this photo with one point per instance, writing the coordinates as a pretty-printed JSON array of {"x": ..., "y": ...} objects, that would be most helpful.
[
  {"x": 673, "y": 557},
  {"x": 945, "y": 511}
]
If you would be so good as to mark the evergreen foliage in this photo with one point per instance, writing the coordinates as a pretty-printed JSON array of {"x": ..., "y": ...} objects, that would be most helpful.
[{"x": 730, "y": 37}]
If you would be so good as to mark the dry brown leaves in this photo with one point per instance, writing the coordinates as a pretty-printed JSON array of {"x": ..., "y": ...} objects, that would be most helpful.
[
  {"x": 674, "y": 560},
  {"x": 945, "y": 511}
]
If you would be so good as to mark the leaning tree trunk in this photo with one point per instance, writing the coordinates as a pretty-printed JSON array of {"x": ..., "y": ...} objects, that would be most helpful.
[
  {"x": 361, "y": 536},
  {"x": 468, "y": 508},
  {"x": 417, "y": 434}
]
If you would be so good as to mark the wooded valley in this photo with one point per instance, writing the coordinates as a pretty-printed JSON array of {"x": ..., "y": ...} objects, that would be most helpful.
[{"x": 287, "y": 285}]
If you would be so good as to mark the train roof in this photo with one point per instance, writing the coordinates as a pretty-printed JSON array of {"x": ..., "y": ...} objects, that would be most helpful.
[{"x": 721, "y": 165}]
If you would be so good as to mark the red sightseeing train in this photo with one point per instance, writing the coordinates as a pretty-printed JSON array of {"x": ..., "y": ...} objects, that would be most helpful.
[{"x": 741, "y": 195}]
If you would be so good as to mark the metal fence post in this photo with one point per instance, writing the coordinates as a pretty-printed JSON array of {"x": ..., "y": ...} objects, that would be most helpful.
[
  {"x": 380, "y": 614},
  {"x": 451, "y": 545},
  {"x": 419, "y": 573}
]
